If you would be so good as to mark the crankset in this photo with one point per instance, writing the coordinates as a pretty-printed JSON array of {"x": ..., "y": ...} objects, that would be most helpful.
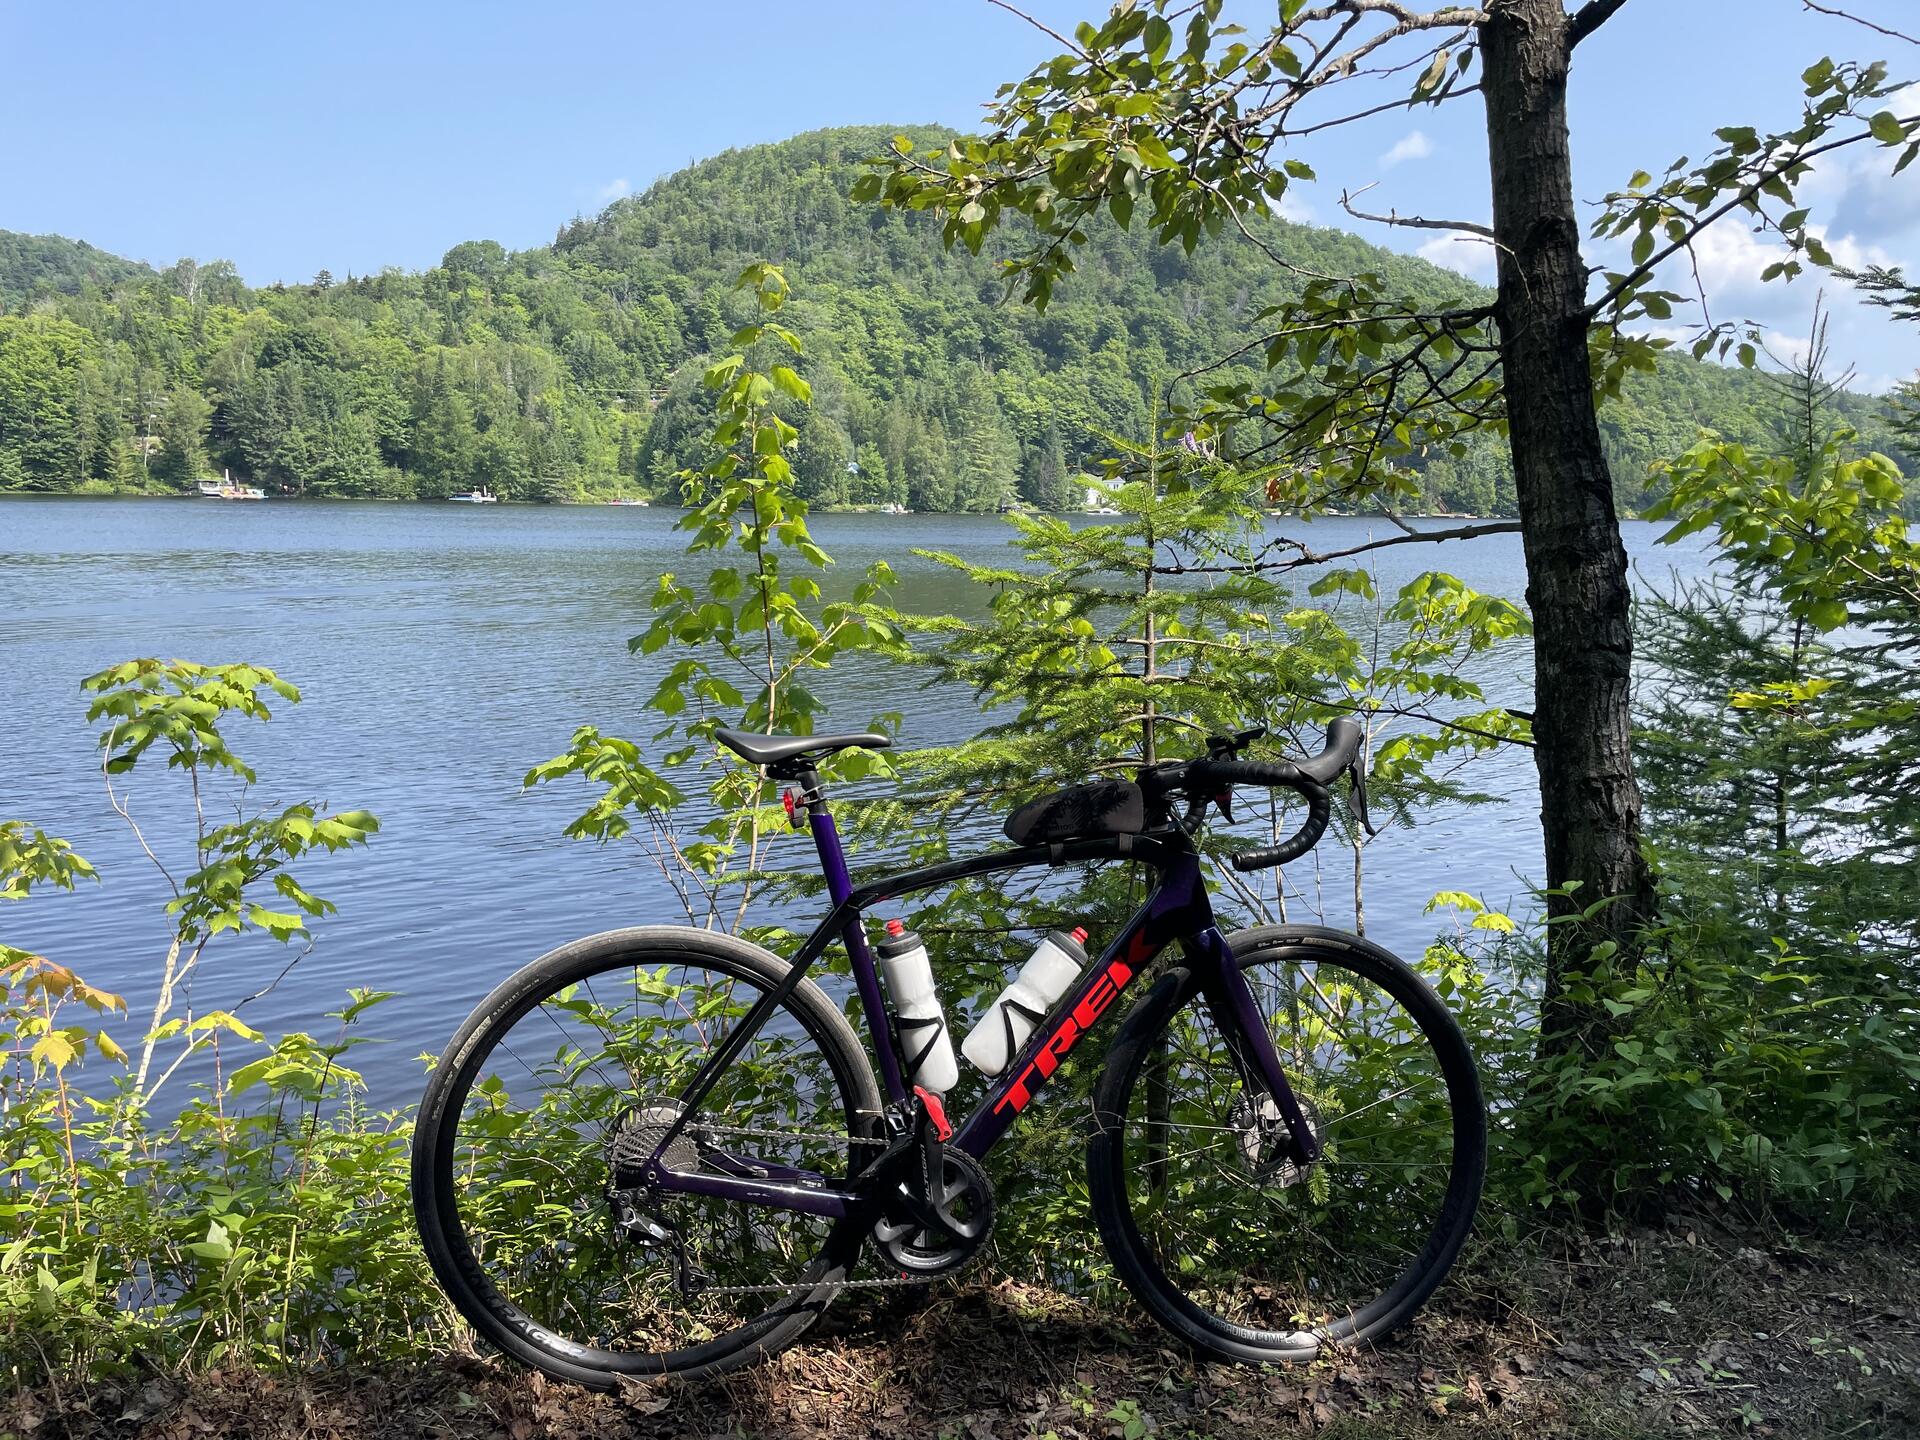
[
  {"x": 936, "y": 1203},
  {"x": 933, "y": 1222}
]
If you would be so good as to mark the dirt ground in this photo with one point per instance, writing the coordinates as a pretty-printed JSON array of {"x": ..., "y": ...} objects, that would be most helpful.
[{"x": 1680, "y": 1332}]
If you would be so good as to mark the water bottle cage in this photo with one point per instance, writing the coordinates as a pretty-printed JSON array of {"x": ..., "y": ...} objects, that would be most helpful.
[
  {"x": 906, "y": 1024},
  {"x": 1009, "y": 1007}
]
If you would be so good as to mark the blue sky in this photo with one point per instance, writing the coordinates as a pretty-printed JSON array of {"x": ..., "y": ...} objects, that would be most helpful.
[{"x": 351, "y": 136}]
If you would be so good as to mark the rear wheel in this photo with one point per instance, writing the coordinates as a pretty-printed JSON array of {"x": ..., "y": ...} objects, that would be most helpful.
[
  {"x": 1223, "y": 1240},
  {"x": 535, "y": 1131}
]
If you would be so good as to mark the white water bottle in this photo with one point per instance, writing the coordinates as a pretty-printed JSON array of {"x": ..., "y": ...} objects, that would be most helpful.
[
  {"x": 916, "y": 1007},
  {"x": 993, "y": 1043}
]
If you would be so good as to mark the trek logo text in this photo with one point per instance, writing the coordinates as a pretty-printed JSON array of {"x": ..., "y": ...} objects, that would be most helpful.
[{"x": 1092, "y": 1006}]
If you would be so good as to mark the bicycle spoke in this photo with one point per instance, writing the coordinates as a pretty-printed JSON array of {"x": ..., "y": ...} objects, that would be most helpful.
[{"x": 1323, "y": 1247}]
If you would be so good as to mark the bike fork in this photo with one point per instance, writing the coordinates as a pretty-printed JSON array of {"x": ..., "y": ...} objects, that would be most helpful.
[{"x": 1237, "y": 1015}]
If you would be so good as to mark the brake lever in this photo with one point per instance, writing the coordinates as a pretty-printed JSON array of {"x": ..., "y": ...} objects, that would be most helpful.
[{"x": 1357, "y": 774}]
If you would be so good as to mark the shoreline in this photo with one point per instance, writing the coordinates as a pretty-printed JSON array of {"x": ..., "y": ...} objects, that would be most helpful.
[{"x": 664, "y": 505}]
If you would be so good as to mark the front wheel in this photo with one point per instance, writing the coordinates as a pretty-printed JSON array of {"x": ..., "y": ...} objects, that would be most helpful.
[{"x": 1224, "y": 1241}]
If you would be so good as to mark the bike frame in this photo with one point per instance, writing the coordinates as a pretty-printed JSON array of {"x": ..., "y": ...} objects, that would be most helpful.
[{"x": 1177, "y": 910}]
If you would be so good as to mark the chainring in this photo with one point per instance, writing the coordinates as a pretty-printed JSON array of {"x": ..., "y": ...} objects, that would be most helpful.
[{"x": 961, "y": 1216}]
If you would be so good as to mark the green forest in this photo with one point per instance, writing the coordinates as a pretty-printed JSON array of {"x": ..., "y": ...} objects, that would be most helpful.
[{"x": 572, "y": 370}]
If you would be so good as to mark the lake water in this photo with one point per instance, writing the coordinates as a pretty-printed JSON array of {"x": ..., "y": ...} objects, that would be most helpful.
[{"x": 441, "y": 651}]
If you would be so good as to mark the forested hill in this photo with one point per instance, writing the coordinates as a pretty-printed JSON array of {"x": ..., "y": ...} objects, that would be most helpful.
[{"x": 574, "y": 368}]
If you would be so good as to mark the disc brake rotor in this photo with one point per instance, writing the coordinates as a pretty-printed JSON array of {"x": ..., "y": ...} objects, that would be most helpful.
[{"x": 1262, "y": 1140}]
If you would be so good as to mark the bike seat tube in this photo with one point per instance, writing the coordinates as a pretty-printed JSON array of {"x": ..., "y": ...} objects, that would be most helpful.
[{"x": 866, "y": 975}]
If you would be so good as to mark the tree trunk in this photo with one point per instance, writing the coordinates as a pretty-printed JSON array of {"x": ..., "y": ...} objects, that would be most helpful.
[{"x": 1576, "y": 564}]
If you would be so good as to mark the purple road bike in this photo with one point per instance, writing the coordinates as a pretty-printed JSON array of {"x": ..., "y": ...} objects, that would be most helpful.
[{"x": 664, "y": 1150}]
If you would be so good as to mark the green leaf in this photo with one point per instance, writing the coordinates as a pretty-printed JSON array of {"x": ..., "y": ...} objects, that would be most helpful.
[{"x": 1827, "y": 614}]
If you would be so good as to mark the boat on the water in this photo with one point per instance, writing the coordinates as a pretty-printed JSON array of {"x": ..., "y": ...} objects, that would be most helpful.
[
  {"x": 627, "y": 500},
  {"x": 225, "y": 489},
  {"x": 480, "y": 496}
]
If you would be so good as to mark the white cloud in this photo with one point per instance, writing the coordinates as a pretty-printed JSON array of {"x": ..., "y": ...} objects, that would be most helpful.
[
  {"x": 613, "y": 190},
  {"x": 1413, "y": 146},
  {"x": 1858, "y": 195},
  {"x": 1467, "y": 255},
  {"x": 1293, "y": 207},
  {"x": 1730, "y": 258}
]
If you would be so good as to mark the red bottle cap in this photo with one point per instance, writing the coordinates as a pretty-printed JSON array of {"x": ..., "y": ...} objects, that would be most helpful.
[
  {"x": 1079, "y": 933},
  {"x": 896, "y": 927}
]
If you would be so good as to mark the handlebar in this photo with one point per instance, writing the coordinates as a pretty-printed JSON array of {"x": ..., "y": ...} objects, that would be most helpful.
[{"x": 1216, "y": 776}]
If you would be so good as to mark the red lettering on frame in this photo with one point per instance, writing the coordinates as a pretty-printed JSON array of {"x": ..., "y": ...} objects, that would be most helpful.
[
  {"x": 1092, "y": 1006},
  {"x": 1061, "y": 1041}
]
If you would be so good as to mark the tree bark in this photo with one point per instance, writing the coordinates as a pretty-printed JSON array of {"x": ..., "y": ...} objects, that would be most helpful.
[{"x": 1576, "y": 564}]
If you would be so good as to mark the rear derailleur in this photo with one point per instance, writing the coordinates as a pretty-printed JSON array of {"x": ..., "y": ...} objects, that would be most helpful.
[{"x": 630, "y": 1195}]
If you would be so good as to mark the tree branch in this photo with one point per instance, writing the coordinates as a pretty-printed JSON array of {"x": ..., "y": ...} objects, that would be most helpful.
[
  {"x": 1042, "y": 27},
  {"x": 1839, "y": 14},
  {"x": 1415, "y": 222},
  {"x": 1589, "y": 18},
  {"x": 1304, "y": 556},
  {"x": 1746, "y": 195}
]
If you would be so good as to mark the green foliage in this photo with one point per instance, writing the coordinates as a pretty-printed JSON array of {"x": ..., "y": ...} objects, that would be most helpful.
[
  {"x": 1109, "y": 645},
  {"x": 266, "y": 1221},
  {"x": 1754, "y": 174},
  {"x": 1820, "y": 540},
  {"x": 1763, "y": 1048},
  {"x": 1351, "y": 378},
  {"x": 747, "y": 637},
  {"x": 263, "y": 1218},
  {"x": 176, "y": 708},
  {"x": 574, "y": 369},
  {"x": 179, "y": 705},
  {"x": 1759, "y": 1076}
]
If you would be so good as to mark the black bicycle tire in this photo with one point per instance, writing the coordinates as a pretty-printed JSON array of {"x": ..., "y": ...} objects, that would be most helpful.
[
  {"x": 466, "y": 1284},
  {"x": 1106, "y": 1159}
]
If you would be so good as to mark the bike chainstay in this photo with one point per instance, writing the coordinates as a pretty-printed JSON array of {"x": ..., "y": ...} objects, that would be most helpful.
[{"x": 844, "y": 1142}]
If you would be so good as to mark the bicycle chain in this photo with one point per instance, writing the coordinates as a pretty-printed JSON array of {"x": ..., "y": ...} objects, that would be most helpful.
[{"x": 844, "y": 1142}]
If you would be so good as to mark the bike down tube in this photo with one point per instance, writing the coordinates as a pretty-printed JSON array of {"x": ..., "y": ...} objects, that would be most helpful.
[
  {"x": 1077, "y": 1012},
  {"x": 1176, "y": 907}
]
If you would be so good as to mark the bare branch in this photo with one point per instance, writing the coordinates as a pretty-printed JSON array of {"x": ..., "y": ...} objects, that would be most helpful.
[
  {"x": 1414, "y": 222},
  {"x": 1303, "y": 556},
  {"x": 1589, "y": 18},
  {"x": 1372, "y": 110},
  {"x": 1839, "y": 14},
  {"x": 1406, "y": 19},
  {"x": 1040, "y": 26}
]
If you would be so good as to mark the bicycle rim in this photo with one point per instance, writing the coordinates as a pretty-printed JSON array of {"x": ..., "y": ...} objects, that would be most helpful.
[
  {"x": 1238, "y": 1250},
  {"x": 563, "y": 1088}
]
